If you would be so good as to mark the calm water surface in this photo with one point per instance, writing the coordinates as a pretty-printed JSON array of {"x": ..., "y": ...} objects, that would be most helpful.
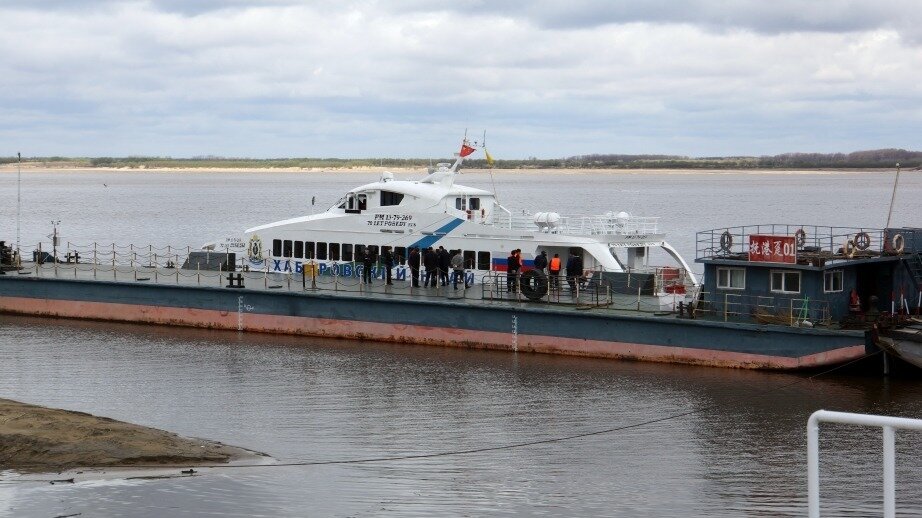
[{"x": 741, "y": 454}]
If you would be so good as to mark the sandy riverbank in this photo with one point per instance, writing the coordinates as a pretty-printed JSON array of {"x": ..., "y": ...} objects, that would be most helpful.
[{"x": 41, "y": 439}]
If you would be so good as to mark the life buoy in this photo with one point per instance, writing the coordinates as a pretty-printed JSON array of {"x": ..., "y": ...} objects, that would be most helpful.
[
  {"x": 862, "y": 240},
  {"x": 899, "y": 243},
  {"x": 470, "y": 215},
  {"x": 800, "y": 237},
  {"x": 849, "y": 249},
  {"x": 533, "y": 284},
  {"x": 726, "y": 241}
]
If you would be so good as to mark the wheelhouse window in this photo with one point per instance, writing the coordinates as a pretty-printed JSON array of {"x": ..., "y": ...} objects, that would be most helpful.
[
  {"x": 321, "y": 251},
  {"x": 460, "y": 203},
  {"x": 277, "y": 247},
  {"x": 389, "y": 198},
  {"x": 347, "y": 252},
  {"x": 362, "y": 201},
  {"x": 731, "y": 278},
  {"x": 832, "y": 281},
  {"x": 785, "y": 281},
  {"x": 474, "y": 203},
  {"x": 286, "y": 248}
]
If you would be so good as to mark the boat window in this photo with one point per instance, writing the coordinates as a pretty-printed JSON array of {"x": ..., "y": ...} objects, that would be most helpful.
[
  {"x": 299, "y": 249},
  {"x": 785, "y": 281},
  {"x": 334, "y": 251},
  {"x": 469, "y": 258},
  {"x": 460, "y": 204},
  {"x": 401, "y": 254},
  {"x": 286, "y": 248},
  {"x": 363, "y": 201},
  {"x": 347, "y": 252},
  {"x": 350, "y": 201},
  {"x": 321, "y": 251},
  {"x": 277, "y": 248},
  {"x": 731, "y": 278},
  {"x": 483, "y": 260},
  {"x": 389, "y": 198},
  {"x": 475, "y": 203},
  {"x": 341, "y": 204},
  {"x": 373, "y": 250},
  {"x": 359, "y": 251},
  {"x": 832, "y": 281},
  {"x": 308, "y": 249}
]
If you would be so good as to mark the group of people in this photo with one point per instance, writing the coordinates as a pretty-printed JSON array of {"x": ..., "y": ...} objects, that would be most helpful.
[
  {"x": 437, "y": 263},
  {"x": 550, "y": 267}
]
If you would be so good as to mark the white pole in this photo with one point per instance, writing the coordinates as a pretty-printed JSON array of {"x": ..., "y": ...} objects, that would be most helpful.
[
  {"x": 889, "y": 473},
  {"x": 18, "y": 199},
  {"x": 813, "y": 467},
  {"x": 896, "y": 181}
]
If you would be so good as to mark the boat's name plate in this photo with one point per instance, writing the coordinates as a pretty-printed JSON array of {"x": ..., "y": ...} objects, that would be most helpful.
[{"x": 391, "y": 220}]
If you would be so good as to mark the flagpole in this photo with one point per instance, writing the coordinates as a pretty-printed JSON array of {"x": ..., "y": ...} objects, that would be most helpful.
[
  {"x": 896, "y": 182},
  {"x": 18, "y": 198}
]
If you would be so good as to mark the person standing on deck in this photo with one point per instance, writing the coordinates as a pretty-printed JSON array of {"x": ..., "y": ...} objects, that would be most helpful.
[
  {"x": 388, "y": 264},
  {"x": 541, "y": 262},
  {"x": 513, "y": 264},
  {"x": 554, "y": 271},
  {"x": 457, "y": 264},
  {"x": 431, "y": 262},
  {"x": 574, "y": 270},
  {"x": 367, "y": 261},
  {"x": 444, "y": 265},
  {"x": 414, "y": 261}
]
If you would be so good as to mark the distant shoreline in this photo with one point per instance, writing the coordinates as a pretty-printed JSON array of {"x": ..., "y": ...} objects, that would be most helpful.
[{"x": 32, "y": 167}]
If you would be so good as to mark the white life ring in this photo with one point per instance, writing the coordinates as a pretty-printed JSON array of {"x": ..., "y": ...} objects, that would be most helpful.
[
  {"x": 899, "y": 243},
  {"x": 726, "y": 241},
  {"x": 849, "y": 248},
  {"x": 800, "y": 237}
]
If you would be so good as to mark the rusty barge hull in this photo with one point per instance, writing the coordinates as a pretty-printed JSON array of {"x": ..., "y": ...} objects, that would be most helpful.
[{"x": 533, "y": 328}]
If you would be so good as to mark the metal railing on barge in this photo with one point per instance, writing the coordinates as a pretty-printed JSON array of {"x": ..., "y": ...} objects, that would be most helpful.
[{"x": 813, "y": 244}]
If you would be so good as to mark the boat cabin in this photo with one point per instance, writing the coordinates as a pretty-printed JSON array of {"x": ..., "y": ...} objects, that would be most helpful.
[{"x": 808, "y": 274}]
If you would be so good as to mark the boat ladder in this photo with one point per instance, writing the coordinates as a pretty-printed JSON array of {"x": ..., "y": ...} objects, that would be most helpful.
[{"x": 889, "y": 425}]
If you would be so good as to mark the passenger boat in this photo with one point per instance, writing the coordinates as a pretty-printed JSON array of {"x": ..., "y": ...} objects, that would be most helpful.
[{"x": 435, "y": 211}]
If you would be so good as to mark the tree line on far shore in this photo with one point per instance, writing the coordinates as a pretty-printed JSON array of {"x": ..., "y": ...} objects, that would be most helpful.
[{"x": 872, "y": 159}]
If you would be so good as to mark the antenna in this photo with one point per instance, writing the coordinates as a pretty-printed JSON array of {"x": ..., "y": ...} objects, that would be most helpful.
[{"x": 896, "y": 181}]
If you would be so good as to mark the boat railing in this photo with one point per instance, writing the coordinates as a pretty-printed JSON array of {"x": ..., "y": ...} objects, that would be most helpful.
[
  {"x": 888, "y": 425},
  {"x": 789, "y": 311},
  {"x": 806, "y": 243},
  {"x": 604, "y": 224}
]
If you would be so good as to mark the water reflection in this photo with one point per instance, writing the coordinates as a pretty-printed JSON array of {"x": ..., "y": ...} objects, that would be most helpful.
[{"x": 320, "y": 400}]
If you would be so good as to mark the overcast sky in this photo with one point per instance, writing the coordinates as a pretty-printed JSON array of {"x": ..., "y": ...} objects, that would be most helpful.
[{"x": 404, "y": 78}]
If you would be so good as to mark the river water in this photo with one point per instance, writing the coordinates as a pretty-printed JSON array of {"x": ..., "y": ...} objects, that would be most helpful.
[{"x": 733, "y": 444}]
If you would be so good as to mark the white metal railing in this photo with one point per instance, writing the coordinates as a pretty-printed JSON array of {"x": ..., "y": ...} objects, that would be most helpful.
[
  {"x": 605, "y": 224},
  {"x": 889, "y": 425}
]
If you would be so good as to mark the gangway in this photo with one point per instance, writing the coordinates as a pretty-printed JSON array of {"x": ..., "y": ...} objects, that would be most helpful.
[{"x": 889, "y": 425}]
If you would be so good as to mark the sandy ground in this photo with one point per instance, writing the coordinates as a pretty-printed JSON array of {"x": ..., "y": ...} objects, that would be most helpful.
[{"x": 39, "y": 439}]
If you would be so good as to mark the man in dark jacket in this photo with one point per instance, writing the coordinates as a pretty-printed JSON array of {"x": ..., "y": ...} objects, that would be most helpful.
[
  {"x": 368, "y": 260},
  {"x": 513, "y": 264},
  {"x": 414, "y": 261},
  {"x": 388, "y": 257},
  {"x": 541, "y": 262},
  {"x": 431, "y": 262},
  {"x": 574, "y": 270},
  {"x": 444, "y": 265}
]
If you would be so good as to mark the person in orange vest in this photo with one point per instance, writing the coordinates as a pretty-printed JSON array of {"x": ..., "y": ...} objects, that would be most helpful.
[{"x": 554, "y": 271}]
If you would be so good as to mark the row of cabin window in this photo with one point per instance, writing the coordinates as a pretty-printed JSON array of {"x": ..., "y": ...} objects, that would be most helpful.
[
  {"x": 781, "y": 281},
  {"x": 349, "y": 252}
]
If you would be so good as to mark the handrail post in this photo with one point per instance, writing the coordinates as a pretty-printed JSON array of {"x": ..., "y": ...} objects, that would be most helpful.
[
  {"x": 813, "y": 467},
  {"x": 889, "y": 472}
]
